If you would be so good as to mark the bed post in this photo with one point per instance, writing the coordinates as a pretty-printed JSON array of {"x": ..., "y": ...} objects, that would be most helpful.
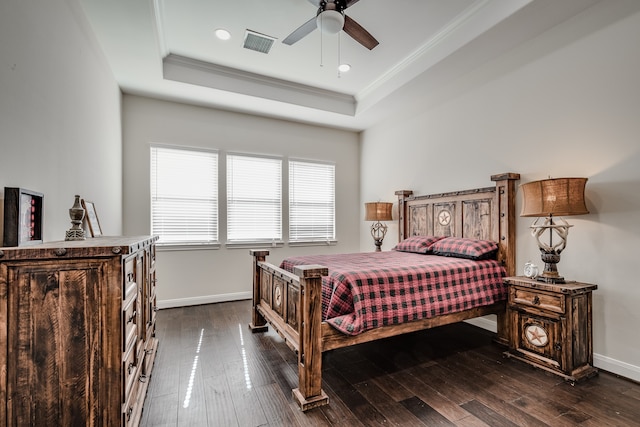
[
  {"x": 505, "y": 193},
  {"x": 402, "y": 213},
  {"x": 309, "y": 393},
  {"x": 258, "y": 323},
  {"x": 505, "y": 197}
]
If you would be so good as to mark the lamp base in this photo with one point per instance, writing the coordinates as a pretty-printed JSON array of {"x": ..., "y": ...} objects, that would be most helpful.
[
  {"x": 550, "y": 273},
  {"x": 378, "y": 231},
  {"x": 550, "y": 279}
]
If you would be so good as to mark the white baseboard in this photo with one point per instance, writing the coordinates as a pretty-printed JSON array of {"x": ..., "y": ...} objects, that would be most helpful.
[
  {"x": 617, "y": 367},
  {"x": 207, "y": 299},
  {"x": 605, "y": 363},
  {"x": 484, "y": 323}
]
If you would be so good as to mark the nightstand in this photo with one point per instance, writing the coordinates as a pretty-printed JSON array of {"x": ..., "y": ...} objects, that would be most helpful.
[{"x": 550, "y": 326}]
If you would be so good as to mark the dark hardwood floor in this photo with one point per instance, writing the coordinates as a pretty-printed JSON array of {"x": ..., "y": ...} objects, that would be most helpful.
[{"x": 212, "y": 371}]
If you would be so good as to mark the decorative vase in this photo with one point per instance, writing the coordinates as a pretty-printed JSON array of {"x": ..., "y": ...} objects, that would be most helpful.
[{"x": 76, "y": 213}]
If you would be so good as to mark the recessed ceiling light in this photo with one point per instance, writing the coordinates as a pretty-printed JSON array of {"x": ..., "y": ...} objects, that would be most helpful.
[
  {"x": 223, "y": 34},
  {"x": 343, "y": 68}
]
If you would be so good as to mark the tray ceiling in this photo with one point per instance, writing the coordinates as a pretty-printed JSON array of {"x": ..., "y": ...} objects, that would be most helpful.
[{"x": 168, "y": 49}]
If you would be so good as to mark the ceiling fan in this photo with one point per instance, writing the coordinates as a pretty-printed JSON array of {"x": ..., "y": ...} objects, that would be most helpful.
[{"x": 331, "y": 18}]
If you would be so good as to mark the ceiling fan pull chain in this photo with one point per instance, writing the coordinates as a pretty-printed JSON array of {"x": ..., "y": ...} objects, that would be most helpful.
[
  {"x": 339, "y": 60},
  {"x": 321, "y": 46}
]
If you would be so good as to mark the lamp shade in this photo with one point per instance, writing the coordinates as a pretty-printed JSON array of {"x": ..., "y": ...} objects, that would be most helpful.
[
  {"x": 554, "y": 197},
  {"x": 378, "y": 211}
]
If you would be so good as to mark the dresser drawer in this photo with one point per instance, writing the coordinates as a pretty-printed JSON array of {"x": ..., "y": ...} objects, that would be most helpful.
[
  {"x": 152, "y": 257},
  {"x": 132, "y": 403},
  {"x": 538, "y": 299},
  {"x": 149, "y": 357},
  {"x": 129, "y": 322},
  {"x": 129, "y": 285},
  {"x": 130, "y": 372}
]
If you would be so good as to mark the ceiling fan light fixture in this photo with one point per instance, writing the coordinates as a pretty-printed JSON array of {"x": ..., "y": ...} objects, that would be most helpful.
[
  {"x": 330, "y": 21},
  {"x": 343, "y": 68}
]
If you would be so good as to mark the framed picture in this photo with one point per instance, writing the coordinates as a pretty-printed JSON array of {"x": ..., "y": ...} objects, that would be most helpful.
[
  {"x": 22, "y": 217},
  {"x": 91, "y": 216}
]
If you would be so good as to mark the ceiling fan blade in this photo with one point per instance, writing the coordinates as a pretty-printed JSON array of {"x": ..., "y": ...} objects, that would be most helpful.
[
  {"x": 301, "y": 32},
  {"x": 359, "y": 34},
  {"x": 350, "y": 2},
  {"x": 316, "y": 3}
]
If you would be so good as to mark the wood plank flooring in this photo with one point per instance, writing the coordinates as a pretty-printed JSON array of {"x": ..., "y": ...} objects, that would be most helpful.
[{"x": 210, "y": 370}]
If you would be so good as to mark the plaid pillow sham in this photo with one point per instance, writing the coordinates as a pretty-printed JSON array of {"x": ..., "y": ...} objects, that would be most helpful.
[
  {"x": 417, "y": 244},
  {"x": 461, "y": 247}
]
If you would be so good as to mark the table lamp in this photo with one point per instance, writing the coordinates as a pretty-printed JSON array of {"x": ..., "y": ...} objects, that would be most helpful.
[
  {"x": 551, "y": 199},
  {"x": 377, "y": 212}
]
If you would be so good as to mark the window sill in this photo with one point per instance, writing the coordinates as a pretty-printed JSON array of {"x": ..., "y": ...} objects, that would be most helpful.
[
  {"x": 170, "y": 247},
  {"x": 253, "y": 245},
  {"x": 314, "y": 243},
  {"x": 173, "y": 247}
]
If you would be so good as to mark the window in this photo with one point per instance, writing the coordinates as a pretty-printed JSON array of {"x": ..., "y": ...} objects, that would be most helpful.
[
  {"x": 254, "y": 198},
  {"x": 311, "y": 201},
  {"x": 184, "y": 195}
]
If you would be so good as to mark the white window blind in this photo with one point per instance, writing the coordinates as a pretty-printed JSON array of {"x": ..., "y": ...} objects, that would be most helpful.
[
  {"x": 254, "y": 198},
  {"x": 184, "y": 195},
  {"x": 311, "y": 201}
]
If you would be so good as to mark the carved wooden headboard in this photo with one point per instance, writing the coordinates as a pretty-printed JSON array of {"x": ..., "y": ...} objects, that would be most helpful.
[{"x": 481, "y": 213}]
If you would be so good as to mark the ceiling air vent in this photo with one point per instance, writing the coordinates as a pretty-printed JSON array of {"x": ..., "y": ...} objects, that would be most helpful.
[{"x": 258, "y": 42}]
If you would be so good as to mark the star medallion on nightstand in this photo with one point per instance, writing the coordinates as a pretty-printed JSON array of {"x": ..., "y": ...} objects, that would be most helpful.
[{"x": 537, "y": 335}]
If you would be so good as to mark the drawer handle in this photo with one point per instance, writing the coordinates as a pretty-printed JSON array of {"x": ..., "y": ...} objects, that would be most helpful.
[
  {"x": 142, "y": 378},
  {"x": 155, "y": 308},
  {"x": 558, "y": 346},
  {"x": 132, "y": 317},
  {"x": 130, "y": 277},
  {"x": 129, "y": 412},
  {"x": 536, "y": 300},
  {"x": 60, "y": 252},
  {"x": 130, "y": 368}
]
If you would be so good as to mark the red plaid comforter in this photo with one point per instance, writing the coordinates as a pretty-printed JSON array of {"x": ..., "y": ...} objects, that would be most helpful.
[{"x": 367, "y": 290}]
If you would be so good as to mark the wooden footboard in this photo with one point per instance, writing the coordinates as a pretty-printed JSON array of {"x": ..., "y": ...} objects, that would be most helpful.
[{"x": 292, "y": 304}]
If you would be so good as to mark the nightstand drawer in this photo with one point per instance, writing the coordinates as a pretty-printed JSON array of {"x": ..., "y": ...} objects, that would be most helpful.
[{"x": 536, "y": 298}]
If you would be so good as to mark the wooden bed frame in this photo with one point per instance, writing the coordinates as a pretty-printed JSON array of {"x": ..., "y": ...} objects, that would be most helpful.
[{"x": 292, "y": 303}]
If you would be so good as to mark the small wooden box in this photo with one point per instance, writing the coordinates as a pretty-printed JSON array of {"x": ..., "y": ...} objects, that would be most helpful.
[{"x": 22, "y": 217}]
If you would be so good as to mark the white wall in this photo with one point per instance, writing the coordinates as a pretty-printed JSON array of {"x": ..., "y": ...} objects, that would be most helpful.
[
  {"x": 564, "y": 104},
  {"x": 201, "y": 276},
  {"x": 59, "y": 113}
]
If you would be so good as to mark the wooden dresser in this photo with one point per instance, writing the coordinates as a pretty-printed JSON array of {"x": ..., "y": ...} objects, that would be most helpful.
[{"x": 77, "y": 323}]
